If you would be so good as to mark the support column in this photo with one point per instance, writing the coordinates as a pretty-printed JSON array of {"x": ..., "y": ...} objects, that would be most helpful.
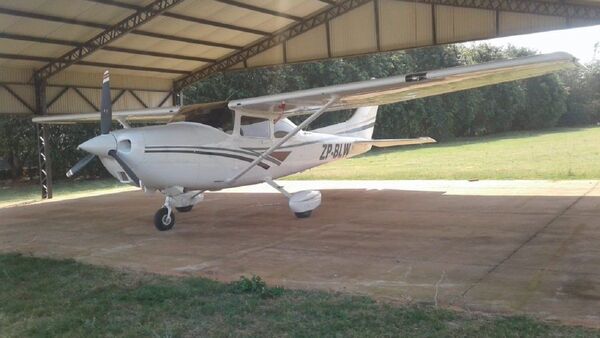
[
  {"x": 44, "y": 162},
  {"x": 177, "y": 98}
]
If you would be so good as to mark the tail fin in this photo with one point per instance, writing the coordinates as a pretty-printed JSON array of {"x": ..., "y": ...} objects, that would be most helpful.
[{"x": 361, "y": 124}]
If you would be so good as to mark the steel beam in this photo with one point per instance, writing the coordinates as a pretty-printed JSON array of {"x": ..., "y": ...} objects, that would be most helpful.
[
  {"x": 21, "y": 83},
  {"x": 216, "y": 24},
  {"x": 319, "y": 18},
  {"x": 138, "y": 99},
  {"x": 177, "y": 98},
  {"x": 185, "y": 17},
  {"x": 433, "y": 25},
  {"x": 328, "y": 37},
  {"x": 158, "y": 54},
  {"x": 187, "y": 40},
  {"x": 116, "y": 98},
  {"x": 107, "y": 36},
  {"x": 85, "y": 98},
  {"x": 57, "y": 96},
  {"x": 53, "y": 18},
  {"x": 250, "y": 7},
  {"x": 131, "y": 67},
  {"x": 377, "y": 28},
  {"x": 559, "y": 8},
  {"x": 17, "y": 97},
  {"x": 44, "y": 161},
  {"x": 166, "y": 98},
  {"x": 94, "y": 64},
  {"x": 62, "y": 42},
  {"x": 22, "y": 37}
]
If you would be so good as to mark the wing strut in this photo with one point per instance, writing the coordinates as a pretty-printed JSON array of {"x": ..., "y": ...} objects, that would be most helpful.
[{"x": 274, "y": 147}]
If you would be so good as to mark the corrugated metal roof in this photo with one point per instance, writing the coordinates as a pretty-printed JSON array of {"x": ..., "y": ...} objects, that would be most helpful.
[
  {"x": 196, "y": 34},
  {"x": 40, "y": 19}
]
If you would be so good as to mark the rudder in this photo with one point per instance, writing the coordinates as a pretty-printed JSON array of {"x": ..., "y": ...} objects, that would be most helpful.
[{"x": 361, "y": 124}]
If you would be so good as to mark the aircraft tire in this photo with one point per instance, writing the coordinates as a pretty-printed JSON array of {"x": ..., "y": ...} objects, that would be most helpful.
[
  {"x": 185, "y": 209},
  {"x": 304, "y": 214},
  {"x": 160, "y": 220}
]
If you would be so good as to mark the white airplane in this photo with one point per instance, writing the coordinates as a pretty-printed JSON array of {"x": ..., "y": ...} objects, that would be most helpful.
[{"x": 212, "y": 146}]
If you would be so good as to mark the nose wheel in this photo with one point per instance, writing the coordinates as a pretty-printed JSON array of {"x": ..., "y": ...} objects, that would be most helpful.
[{"x": 164, "y": 219}]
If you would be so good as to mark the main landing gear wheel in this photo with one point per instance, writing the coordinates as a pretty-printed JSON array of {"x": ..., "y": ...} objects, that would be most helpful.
[
  {"x": 304, "y": 214},
  {"x": 184, "y": 209},
  {"x": 163, "y": 221}
]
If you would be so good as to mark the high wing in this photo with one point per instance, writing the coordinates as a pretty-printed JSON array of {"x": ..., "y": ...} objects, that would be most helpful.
[
  {"x": 163, "y": 114},
  {"x": 356, "y": 94},
  {"x": 403, "y": 87}
]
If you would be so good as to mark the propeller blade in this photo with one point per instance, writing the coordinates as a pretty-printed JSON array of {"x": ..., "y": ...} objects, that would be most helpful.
[
  {"x": 80, "y": 165},
  {"x": 105, "y": 105},
  {"x": 130, "y": 173}
]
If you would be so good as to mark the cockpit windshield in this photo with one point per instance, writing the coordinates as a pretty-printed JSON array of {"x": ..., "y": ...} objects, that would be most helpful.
[{"x": 216, "y": 115}]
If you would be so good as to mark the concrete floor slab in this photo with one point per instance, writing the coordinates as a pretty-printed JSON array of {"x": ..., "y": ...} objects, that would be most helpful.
[{"x": 507, "y": 246}]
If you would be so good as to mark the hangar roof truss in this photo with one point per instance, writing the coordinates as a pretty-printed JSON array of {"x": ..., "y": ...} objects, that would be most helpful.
[{"x": 157, "y": 47}]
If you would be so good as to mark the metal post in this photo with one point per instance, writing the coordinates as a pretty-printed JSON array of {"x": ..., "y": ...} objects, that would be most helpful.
[
  {"x": 177, "y": 98},
  {"x": 44, "y": 162}
]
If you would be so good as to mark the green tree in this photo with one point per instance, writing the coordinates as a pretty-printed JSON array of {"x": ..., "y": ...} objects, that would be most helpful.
[
  {"x": 18, "y": 144},
  {"x": 545, "y": 104}
]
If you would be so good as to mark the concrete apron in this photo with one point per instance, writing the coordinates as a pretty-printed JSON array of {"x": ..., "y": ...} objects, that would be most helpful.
[{"x": 496, "y": 246}]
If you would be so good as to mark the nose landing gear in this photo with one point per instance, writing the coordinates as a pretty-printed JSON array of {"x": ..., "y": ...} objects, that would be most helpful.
[
  {"x": 164, "y": 219},
  {"x": 177, "y": 199}
]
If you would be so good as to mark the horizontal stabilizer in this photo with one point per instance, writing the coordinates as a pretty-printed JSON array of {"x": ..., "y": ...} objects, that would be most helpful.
[{"x": 397, "y": 142}]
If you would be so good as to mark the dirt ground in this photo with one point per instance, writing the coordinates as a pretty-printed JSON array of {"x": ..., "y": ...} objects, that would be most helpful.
[{"x": 497, "y": 246}]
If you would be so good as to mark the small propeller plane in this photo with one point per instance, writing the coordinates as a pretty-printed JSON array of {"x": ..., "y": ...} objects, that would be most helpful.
[{"x": 212, "y": 146}]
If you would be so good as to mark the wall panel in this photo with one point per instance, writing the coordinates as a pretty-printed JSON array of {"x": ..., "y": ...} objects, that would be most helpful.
[
  {"x": 455, "y": 24},
  {"x": 308, "y": 46},
  {"x": 354, "y": 32},
  {"x": 404, "y": 24},
  {"x": 519, "y": 23}
]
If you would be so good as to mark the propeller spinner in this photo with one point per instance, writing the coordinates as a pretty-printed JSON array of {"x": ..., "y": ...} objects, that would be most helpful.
[{"x": 104, "y": 144}]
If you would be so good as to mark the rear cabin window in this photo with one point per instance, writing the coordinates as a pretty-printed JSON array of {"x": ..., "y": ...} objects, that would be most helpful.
[
  {"x": 255, "y": 127},
  {"x": 283, "y": 127}
]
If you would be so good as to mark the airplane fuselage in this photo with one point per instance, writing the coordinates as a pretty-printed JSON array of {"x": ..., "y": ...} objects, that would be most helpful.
[{"x": 199, "y": 157}]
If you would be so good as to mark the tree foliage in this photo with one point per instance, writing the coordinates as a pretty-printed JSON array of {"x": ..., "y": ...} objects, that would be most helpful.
[{"x": 18, "y": 145}]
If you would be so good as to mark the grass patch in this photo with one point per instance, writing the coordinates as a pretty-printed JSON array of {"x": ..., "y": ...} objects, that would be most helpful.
[
  {"x": 565, "y": 153},
  {"x": 45, "y": 297},
  {"x": 30, "y": 192}
]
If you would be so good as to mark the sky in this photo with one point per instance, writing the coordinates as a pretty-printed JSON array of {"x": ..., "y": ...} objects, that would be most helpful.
[{"x": 579, "y": 42}]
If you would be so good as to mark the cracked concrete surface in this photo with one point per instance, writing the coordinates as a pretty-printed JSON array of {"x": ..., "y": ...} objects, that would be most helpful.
[{"x": 497, "y": 246}]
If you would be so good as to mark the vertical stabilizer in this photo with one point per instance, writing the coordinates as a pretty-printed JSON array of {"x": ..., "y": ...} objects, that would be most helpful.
[{"x": 361, "y": 124}]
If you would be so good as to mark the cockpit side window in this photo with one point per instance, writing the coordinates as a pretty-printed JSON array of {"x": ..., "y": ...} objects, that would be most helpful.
[
  {"x": 220, "y": 118},
  {"x": 255, "y": 127}
]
